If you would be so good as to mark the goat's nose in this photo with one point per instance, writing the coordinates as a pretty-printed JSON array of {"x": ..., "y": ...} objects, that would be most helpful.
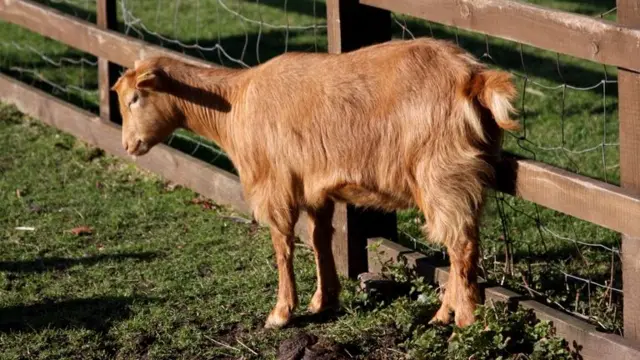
[{"x": 136, "y": 145}]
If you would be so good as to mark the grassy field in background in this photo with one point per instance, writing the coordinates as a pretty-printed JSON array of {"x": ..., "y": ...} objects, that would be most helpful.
[{"x": 522, "y": 243}]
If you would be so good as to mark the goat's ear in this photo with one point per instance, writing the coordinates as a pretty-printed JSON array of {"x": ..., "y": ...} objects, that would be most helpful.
[
  {"x": 148, "y": 80},
  {"x": 126, "y": 74},
  {"x": 117, "y": 84}
]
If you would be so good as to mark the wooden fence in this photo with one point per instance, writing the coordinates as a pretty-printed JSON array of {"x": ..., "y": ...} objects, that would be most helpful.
[{"x": 352, "y": 24}]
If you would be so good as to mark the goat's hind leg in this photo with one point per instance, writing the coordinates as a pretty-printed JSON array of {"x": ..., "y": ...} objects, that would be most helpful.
[
  {"x": 461, "y": 292},
  {"x": 452, "y": 220}
]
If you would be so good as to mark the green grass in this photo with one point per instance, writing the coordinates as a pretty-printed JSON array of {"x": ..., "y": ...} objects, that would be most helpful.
[
  {"x": 564, "y": 127},
  {"x": 163, "y": 277}
]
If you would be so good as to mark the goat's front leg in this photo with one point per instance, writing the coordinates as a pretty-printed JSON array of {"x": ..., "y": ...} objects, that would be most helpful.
[
  {"x": 321, "y": 233},
  {"x": 283, "y": 245}
]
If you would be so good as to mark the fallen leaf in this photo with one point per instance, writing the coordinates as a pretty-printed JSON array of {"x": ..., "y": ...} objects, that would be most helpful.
[
  {"x": 100, "y": 247},
  {"x": 18, "y": 193},
  {"x": 197, "y": 200},
  {"x": 205, "y": 203},
  {"x": 99, "y": 185},
  {"x": 81, "y": 230}
]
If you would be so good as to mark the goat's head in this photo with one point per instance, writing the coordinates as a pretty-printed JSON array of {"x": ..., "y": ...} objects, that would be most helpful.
[{"x": 148, "y": 113}]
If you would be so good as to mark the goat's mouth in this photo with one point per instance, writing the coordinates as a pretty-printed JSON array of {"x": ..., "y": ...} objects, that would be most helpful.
[{"x": 138, "y": 149}]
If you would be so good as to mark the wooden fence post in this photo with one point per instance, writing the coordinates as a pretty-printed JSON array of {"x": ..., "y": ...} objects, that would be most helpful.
[
  {"x": 108, "y": 72},
  {"x": 629, "y": 111},
  {"x": 351, "y": 26}
]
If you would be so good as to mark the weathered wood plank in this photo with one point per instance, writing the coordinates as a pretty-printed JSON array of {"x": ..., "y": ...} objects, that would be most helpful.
[
  {"x": 629, "y": 112},
  {"x": 577, "y": 35},
  {"x": 592, "y": 200}
]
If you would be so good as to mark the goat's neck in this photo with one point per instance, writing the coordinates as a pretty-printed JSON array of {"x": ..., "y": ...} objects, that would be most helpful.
[{"x": 206, "y": 103}]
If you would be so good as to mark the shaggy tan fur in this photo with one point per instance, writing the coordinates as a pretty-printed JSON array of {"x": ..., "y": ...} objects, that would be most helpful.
[{"x": 389, "y": 126}]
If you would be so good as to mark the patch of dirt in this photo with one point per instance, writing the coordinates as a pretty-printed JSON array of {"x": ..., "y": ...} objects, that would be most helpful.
[
  {"x": 143, "y": 343},
  {"x": 385, "y": 348},
  {"x": 231, "y": 333},
  {"x": 306, "y": 346}
]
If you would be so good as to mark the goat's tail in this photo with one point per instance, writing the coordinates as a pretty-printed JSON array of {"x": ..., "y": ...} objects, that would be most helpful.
[{"x": 495, "y": 90}]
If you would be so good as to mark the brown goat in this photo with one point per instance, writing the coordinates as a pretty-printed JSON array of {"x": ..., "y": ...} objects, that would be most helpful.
[{"x": 389, "y": 126}]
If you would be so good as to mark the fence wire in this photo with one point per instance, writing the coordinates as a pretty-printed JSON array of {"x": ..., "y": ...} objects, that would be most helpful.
[{"x": 568, "y": 109}]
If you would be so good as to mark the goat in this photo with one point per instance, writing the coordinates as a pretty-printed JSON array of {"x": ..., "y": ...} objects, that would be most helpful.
[{"x": 390, "y": 126}]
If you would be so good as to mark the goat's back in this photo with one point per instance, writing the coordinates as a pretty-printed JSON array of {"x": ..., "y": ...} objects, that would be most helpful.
[{"x": 358, "y": 121}]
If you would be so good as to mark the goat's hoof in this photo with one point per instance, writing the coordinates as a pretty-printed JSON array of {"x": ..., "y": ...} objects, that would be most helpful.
[
  {"x": 465, "y": 313},
  {"x": 442, "y": 317},
  {"x": 278, "y": 318},
  {"x": 321, "y": 303},
  {"x": 464, "y": 319}
]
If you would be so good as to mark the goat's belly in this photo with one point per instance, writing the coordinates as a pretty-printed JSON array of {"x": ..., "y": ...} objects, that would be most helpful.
[{"x": 360, "y": 196}]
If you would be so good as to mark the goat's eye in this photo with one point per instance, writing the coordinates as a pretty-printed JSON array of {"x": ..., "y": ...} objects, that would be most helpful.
[{"x": 134, "y": 99}]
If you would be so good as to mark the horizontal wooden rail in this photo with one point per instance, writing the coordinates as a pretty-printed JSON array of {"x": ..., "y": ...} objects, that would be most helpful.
[
  {"x": 583, "y": 337},
  {"x": 577, "y": 35},
  {"x": 592, "y": 200}
]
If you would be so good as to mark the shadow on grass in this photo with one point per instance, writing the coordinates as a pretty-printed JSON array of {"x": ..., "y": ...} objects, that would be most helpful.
[
  {"x": 60, "y": 263},
  {"x": 96, "y": 314},
  {"x": 302, "y": 320}
]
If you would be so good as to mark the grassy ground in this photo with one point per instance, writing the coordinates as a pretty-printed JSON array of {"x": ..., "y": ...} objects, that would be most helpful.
[
  {"x": 569, "y": 110},
  {"x": 120, "y": 264}
]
